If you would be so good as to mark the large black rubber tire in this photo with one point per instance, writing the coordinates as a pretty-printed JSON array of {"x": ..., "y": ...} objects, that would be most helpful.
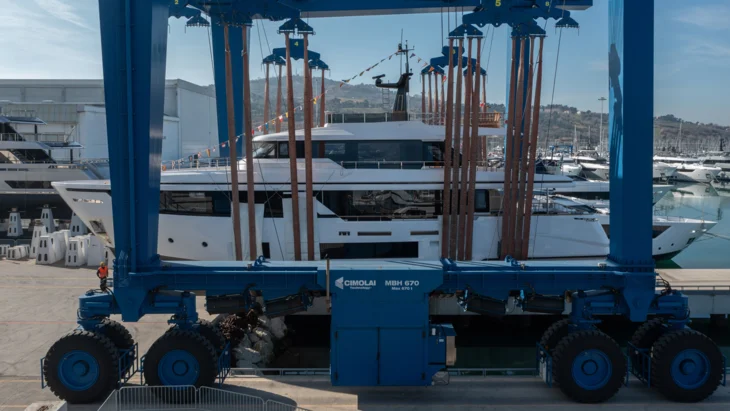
[
  {"x": 120, "y": 336},
  {"x": 212, "y": 332},
  {"x": 556, "y": 332},
  {"x": 570, "y": 347},
  {"x": 186, "y": 340},
  {"x": 100, "y": 348},
  {"x": 665, "y": 350},
  {"x": 208, "y": 330},
  {"x": 645, "y": 337}
]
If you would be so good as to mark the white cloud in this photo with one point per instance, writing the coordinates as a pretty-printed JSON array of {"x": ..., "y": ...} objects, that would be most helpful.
[
  {"x": 708, "y": 17},
  {"x": 36, "y": 45},
  {"x": 62, "y": 11}
]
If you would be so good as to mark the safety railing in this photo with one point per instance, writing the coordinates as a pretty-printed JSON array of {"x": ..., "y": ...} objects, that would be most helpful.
[
  {"x": 189, "y": 398},
  {"x": 128, "y": 361},
  {"x": 224, "y": 365},
  {"x": 153, "y": 398},
  {"x": 222, "y": 163},
  {"x": 11, "y": 137}
]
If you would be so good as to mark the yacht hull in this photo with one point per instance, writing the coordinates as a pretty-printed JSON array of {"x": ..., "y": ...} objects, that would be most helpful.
[{"x": 211, "y": 238}]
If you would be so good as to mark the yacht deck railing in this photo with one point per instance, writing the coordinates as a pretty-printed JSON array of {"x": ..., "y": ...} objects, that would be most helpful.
[{"x": 223, "y": 163}]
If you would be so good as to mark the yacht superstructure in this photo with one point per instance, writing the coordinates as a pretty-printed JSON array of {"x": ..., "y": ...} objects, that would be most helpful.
[
  {"x": 377, "y": 191},
  {"x": 27, "y": 171}
]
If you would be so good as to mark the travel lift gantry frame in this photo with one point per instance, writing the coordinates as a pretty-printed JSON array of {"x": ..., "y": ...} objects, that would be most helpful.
[{"x": 380, "y": 331}]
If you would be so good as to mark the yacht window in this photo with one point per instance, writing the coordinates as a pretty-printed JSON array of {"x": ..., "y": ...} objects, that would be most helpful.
[
  {"x": 32, "y": 156},
  {"x": 272, "y": 201},
  {"x": 433, "y": 151},
  {"x": 481, "y": 201},
  {"x": 378, "y": 151},
  {"x": 284, "y": 149},
  {"x": 332, "y": 149},
  {"x": 29, "y": 184},
  {"x": 185, "y": 203},
  {"x": 383, "y": 205},
  {"x": 4, "y": 157},
  {"x": 264, "y": 150}
]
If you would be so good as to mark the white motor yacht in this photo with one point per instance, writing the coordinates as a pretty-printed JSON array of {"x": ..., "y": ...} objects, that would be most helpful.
[
  {"x": 663, "y": 171},
  {"x": 27, "y": 171},
  {"x": 670, "y": 235},
  {"x": 594, "y": 166},
  {"x": 719, "y": 159},
  {"x": 378, "y": 194},
  {"x": 690, "y": 169}
]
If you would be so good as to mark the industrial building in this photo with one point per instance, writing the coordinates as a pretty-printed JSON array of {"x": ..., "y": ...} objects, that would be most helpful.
[{"x": 74, "y": 112}]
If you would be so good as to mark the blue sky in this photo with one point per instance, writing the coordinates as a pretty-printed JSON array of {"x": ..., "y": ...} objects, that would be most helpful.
[{"x": 60, "y": 39}]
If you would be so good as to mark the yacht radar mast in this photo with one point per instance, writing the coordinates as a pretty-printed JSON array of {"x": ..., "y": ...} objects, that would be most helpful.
[{"x": 400, "y": 107}]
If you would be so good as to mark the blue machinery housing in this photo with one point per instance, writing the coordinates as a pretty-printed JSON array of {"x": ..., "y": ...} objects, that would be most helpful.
[{"x": 381, "y": 330}]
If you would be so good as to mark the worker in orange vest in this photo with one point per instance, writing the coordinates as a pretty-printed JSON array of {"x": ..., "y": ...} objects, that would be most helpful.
[{"x": 102, "y": 273}]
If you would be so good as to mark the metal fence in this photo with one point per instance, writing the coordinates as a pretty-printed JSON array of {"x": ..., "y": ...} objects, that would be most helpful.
[{"x": 188, "y": 398}]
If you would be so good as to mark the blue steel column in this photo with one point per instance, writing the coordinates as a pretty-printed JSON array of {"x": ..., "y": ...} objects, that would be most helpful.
[
  {"x": 631, "y": 116},
  {"x": 219, "y": 75},
  {"x": 134, "y": 51}
]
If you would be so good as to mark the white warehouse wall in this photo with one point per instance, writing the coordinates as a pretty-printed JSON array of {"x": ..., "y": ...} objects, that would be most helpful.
[
  {"x": 92, "y": 134},
  {"x": 198, "y": 126}
]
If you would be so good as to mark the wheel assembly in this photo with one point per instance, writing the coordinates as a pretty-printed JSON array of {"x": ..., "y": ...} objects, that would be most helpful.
[
  {"x": 686, "y": 366},
  {"x": 81, "y": 367},
  {"x": 210, "y": 331},
  {"x": 554, "y": 334},
  {"x": 120, "y": 336},
  {"x": 181, "y": 357},
  {"x": 589, "y": 366},
  {"x": 644, "y": 338}
]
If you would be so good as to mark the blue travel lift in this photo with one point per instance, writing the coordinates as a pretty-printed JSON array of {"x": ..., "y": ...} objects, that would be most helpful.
[{"x": 381, "y": 334}]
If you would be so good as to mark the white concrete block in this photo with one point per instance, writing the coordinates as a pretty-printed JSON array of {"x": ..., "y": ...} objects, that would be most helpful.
[
  {"x": 17, "y": 253},
  {"x": 95, "y": 254},
  {"x": 38, "y": 230},
  {"x": 77, "y": 226},
  {"x": 47, "y": 219},
  {"x": 49, "y": 250},
  {"x": 15, "y": 225},
  {"x": 76, "y": 251}
]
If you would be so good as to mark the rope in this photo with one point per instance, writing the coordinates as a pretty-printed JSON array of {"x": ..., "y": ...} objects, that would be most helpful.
[
  {"x": 442, "y": 26},
  {"x": 550, "y": 112}
]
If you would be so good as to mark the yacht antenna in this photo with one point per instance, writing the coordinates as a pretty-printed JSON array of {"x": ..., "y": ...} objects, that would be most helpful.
[{"x": 401, "y": 56}]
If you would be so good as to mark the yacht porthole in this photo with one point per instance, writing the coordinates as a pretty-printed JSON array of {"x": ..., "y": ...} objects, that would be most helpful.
[
  {"x": 205, "y": 244},
  {"x": 170, "y": 240}
]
